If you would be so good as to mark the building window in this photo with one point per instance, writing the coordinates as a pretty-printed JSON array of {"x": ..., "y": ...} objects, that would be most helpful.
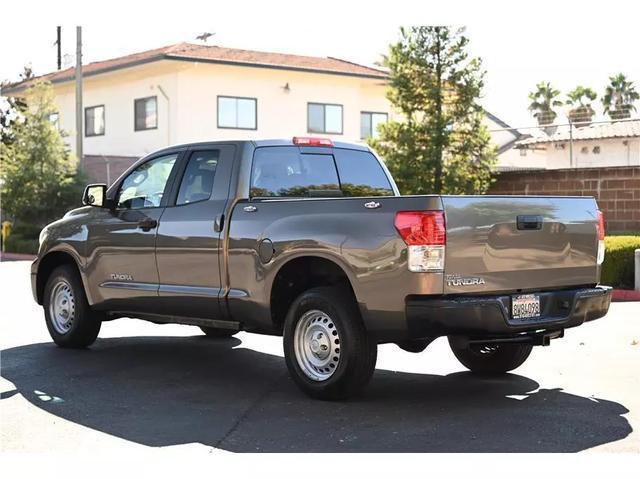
[
  {"x": 596, "y": 150},
  {"x": 94, "y": 120},
  {"x": 324, "y": 118},
  {"x": 146, "y": 113},
  {"x": 54, "y": 118},
  {"x": 237, "y": 112},
  {"x": 369, "y": 122}
]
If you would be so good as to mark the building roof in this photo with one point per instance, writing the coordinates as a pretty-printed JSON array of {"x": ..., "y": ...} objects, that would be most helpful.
[
  {"x": 212, "y": 54},
  {"x": 595, "y": 131}
]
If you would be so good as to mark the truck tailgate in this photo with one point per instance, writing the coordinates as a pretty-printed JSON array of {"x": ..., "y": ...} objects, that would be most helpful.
[{"x": 514, "y": 243}]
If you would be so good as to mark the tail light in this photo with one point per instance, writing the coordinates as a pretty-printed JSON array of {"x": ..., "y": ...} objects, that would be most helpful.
[
  {"x": 425, "y": 235},
  {"x": 309, "y": 141},
  {"x": 600, "y": 230}
]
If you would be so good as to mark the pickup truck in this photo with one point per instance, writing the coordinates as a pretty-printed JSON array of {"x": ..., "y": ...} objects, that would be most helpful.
[{"x": 310, "y": 239}]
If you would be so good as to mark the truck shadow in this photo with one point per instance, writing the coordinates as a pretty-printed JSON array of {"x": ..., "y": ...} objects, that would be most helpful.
[{"x": 162, "y": 391}]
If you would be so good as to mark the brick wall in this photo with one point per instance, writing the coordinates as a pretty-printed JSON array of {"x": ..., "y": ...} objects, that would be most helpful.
[{"x": 617, "y": 190}]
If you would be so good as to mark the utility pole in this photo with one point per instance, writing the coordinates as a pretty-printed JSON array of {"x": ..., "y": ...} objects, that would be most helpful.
[
  {"x": 59, "y": 44},
  {"x": 79, "y": 129}
]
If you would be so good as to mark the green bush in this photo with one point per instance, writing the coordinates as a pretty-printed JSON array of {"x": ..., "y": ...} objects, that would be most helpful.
[
  {"x": 17, "y": 243},
  {"x": 618, "y": 266}
]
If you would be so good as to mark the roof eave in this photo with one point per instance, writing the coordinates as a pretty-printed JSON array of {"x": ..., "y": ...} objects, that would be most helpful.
[
  {"x": 381, "y": 76},
  {"x": 21, "y": 87}
]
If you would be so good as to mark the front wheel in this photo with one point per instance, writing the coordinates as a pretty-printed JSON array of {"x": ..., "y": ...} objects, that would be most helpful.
[
  {"x": 490, "y": 359},
  {"x": 327, "y": 349},
  {"x": 70, "y": 320}
]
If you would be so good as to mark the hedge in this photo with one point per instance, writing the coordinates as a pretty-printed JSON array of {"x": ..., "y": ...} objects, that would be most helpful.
[{"x": 618, "y": 266}]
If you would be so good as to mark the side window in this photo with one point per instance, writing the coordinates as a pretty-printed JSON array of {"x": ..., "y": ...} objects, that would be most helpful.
[
  {"x": 324, "y": 118},
  {"x": 197, "y": 181},
  {"x": 94, "y": 120},
  {"x": 369, "y": 122},
  {"x": 146, "y": 113},
  {"x": 237, "y": 112},
  {"x": 361, "y": 174},
  {"x": 145, "y": 185},
  {"x": 284, "y": 171}
]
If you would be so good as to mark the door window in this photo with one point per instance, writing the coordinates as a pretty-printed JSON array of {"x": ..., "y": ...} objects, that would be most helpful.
[
  {"x": 197, "y": 182},
  {"x": 145, "y": 186}
]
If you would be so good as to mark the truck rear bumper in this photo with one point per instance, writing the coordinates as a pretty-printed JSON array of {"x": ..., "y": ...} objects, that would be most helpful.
[{"x": 486, "y": 316}]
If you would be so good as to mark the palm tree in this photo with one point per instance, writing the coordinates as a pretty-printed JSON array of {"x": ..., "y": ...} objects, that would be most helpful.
[
  {"x": 619, "y": 97},
  {"x": 580, "y": 98},
  {"x": 543, "y": 100}
]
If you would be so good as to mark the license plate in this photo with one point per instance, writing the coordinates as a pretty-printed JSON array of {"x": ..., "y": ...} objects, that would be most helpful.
[{"x": 525, "y": 306}]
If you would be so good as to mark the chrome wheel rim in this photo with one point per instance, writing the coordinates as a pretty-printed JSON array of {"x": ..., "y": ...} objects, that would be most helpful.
[
  {"x": 317, "y": 345},
  {"x": 62, "y": 307}
]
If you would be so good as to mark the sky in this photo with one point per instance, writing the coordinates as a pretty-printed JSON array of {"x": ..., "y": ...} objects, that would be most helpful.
[{"x": 522, "y": 42}]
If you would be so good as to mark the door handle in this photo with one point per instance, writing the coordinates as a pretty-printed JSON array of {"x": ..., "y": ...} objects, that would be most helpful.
[
  {"x": 218, "y": 223},
  {"x": 147, "y": 224},
  {"x": 529, "y": 222}
]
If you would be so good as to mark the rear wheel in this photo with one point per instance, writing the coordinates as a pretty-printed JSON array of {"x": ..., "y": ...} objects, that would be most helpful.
[
  {"x": 218, "y": 332},
  {"x": 491, "y": 359},
  {"x": 70, "y": 320},
  {"x": 327, "y": 349}
]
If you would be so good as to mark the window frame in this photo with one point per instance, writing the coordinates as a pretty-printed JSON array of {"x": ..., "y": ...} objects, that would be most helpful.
[
  {"x": 324, "y": 106},
  {"x": 135, "y": 123},
  {"x": 55, "y": 122},
  {"x": 255, "y": 112},
  {"x": 168, "y": 188},
  {"x": 104, "y": 120},
  {"x": 371, "y": 113}
]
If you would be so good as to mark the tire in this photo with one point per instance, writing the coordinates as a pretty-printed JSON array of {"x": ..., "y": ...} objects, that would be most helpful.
[
  {"x": 493, "y": 359},
  {"x": 71, "y": 321},
  {"x": 330, "y": 317},
  {"x": 218, "y": 332}
]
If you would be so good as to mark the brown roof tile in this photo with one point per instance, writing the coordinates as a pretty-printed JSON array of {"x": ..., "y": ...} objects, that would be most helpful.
[{"x": 214, "y": 54}]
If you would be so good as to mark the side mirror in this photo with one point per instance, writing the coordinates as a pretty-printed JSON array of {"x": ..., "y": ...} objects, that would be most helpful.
[{"x": 95, "y": 195}]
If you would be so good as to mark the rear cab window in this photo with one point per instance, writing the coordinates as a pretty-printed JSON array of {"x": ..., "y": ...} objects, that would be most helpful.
[{"x": 289, "y": 171}]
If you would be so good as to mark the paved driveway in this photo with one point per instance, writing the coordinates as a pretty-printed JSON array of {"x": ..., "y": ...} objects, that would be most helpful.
[{"x": 143, "y": 385}]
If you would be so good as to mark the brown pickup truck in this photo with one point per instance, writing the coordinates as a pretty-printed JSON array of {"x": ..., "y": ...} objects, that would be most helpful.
[{"x": 310, "y": 239}]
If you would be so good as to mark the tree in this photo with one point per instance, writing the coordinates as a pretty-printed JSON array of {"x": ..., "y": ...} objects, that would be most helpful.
[
  {"x": 619, "y": 97},
  {"x": 543, "y": 101},
  {"x": 440, "y": 144},
  {"x": 580, "y": 98},
  {"x": 39, "y": 179}
]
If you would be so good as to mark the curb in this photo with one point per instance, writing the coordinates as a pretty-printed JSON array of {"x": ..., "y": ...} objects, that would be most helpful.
[
  {"x": 17, "y": 257},
  {"x": 625, "y": 295}
]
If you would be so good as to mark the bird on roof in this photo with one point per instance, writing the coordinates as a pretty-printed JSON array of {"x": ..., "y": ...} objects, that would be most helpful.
[{"x": 205, "y": 36}]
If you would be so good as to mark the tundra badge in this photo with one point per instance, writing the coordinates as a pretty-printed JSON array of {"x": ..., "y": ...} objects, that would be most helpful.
[{"x": 457, "y": 280}]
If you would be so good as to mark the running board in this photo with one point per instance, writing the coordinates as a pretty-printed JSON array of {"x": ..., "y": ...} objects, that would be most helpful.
[{"x": 171, "y": 319}]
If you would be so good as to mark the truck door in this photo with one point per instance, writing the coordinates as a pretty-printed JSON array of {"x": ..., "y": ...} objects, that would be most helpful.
[
  {"x": 121, "y": 263},
  {"x": 189, "y": 235}
]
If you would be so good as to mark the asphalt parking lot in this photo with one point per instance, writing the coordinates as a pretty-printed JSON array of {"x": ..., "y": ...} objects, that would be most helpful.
[{"x": 142, "y": 385}]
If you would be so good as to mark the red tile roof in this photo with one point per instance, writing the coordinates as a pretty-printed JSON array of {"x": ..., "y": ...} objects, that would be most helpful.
[
  {"x": 596, "y": 131},
  {"x": 213, "y": 54}
]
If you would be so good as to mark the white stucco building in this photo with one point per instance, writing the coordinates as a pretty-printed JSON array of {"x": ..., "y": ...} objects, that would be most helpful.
[
  {"x": 182, "y": 93},
  {"x": 597, "y": 145}
]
